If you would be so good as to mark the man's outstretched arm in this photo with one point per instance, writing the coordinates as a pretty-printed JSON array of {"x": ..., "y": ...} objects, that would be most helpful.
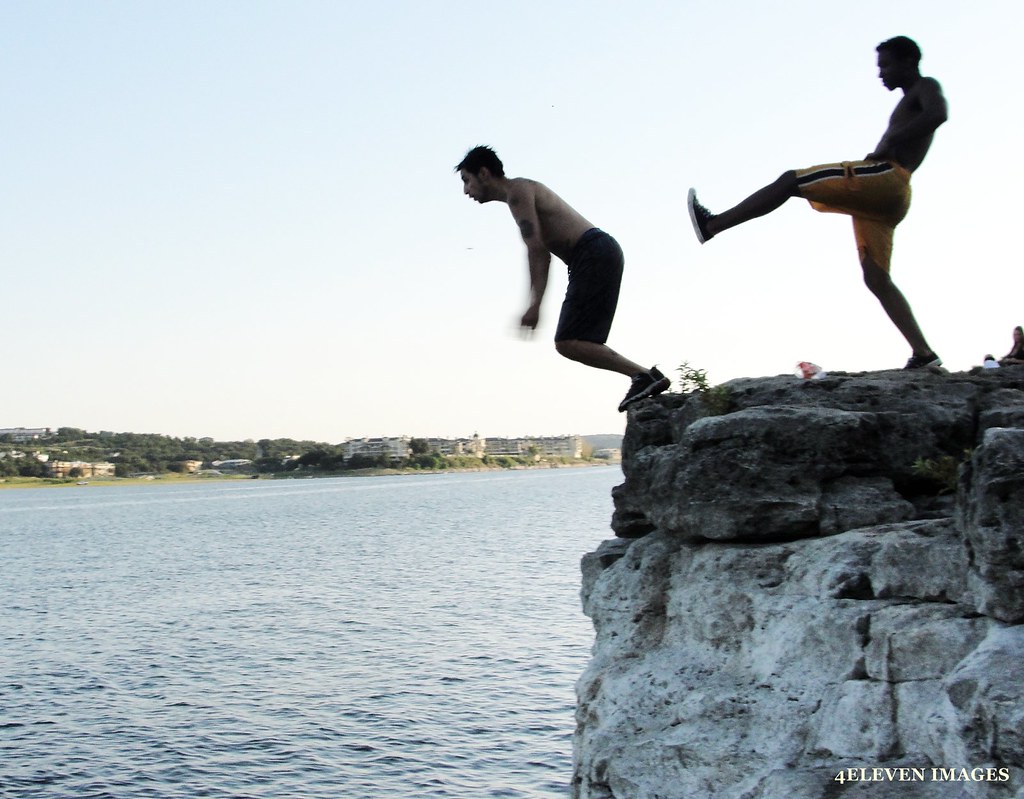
[{"x": 524, "y": 211}]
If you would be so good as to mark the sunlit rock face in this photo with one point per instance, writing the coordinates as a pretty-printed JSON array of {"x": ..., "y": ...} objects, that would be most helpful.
[{"x": 816, "y": 590}]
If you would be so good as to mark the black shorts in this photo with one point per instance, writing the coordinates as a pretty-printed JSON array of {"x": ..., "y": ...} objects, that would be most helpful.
[{"x": 595, "y": 272}]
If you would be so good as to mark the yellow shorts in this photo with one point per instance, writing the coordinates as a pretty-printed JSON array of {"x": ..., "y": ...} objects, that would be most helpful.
[{"x": 875, "y": 193}]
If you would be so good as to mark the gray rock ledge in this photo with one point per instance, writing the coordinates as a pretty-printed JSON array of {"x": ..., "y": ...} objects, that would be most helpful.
[{"x": 824, "y": 581}]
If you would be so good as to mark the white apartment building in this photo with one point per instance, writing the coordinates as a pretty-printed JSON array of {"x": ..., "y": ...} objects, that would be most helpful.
[
  {"x": 20, "y": 435},
  {"x": 458, "y": 446},
  {"x": 398, "y": 448},
  {"x": 391, "y": 448},
  {"x": 544, "y": 446},
  {"x": 84, "y": 469}
]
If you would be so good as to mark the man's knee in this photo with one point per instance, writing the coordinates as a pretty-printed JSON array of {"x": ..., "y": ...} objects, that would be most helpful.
[
  {"x": 787, "y": 182},
  {"x": 875, "y": 278},
  {"x": 567, "y": 348},
  {"x": 576, "y": 349}
]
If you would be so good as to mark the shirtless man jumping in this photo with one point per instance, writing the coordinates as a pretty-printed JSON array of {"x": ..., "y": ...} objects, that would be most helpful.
[
  {"x": 875, "y": 191},
  {"x": 549, "y": 226}
]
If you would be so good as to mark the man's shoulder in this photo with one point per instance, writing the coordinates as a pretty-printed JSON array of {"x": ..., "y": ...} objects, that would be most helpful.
[
  {"x": 529, "y": 190},
  {"x": 926, "y": 84},
  {"x": 520, "y": 189},
  {"x": 526, "y": 185}
]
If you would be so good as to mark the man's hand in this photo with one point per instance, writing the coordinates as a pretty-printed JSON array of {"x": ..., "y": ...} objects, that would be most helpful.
[{"x": 531, "y": 317}]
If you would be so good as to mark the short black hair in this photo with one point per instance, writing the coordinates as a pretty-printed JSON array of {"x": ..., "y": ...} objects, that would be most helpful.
[
  {"x": 480, "y": 157},
  {"x": 902, "y": 47}
]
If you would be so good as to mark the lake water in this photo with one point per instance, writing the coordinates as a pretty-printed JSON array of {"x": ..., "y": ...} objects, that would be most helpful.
[{"x": 356, "y": 638}]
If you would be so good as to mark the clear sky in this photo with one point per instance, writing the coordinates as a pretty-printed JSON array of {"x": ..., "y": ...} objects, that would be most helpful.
[{"x": 240, "y": 219}]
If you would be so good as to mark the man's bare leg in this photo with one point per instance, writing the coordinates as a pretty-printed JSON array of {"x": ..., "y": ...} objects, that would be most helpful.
[
  {"x": 896, "y": 306},
  {"x": 761, "y": 202},
  {"x": 600, "y": 356},
  {"x": 645, "y": 383}
]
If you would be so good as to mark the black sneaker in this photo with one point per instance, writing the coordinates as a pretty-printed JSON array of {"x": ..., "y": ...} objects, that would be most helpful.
[
  {"x": 700, "y": 216},
  {"x": 645, "y": 384},
  {"x": 931, "y": 362}
]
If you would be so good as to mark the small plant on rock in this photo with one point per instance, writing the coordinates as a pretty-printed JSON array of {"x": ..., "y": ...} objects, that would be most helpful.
[
  {"x": 941, "y": 471},
  {"x": 718, "y": 400},
  {"x": 691, "y": 379},
  {"x": 695, "y": 381}
]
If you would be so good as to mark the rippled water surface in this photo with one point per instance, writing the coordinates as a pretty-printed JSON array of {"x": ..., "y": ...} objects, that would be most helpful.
[{"x": 346, "y": 638}]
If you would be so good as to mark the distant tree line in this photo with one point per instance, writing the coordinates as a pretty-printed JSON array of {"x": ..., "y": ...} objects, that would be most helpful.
[
  {"x": 135, "y": 453},
  {"x": 151, "y": 453}
]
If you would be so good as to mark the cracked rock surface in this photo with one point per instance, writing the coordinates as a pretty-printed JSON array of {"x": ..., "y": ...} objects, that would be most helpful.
[{"x": 825, "y": 579}]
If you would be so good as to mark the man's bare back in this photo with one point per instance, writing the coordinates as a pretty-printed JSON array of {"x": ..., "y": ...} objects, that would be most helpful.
[{"x": 540, "y": 212}]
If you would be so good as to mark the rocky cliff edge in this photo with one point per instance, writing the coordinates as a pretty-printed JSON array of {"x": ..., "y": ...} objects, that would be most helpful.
[{"x": 816, "y": 591}]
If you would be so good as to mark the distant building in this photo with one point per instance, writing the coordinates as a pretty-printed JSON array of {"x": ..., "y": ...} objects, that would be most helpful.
[
  {"x": 399, "y": 447},
  {"x": 393, "y": 449},
  {"x": 514, "y": 447},
  {"x": 230, "y": 463},
  {"x": 458, "y": 446},
  {"x": 560, "y": 446},
  {"x": 19, "y": 435},
  {"x": 81, "y": 469},
  {"x": 543, "y": 446}
]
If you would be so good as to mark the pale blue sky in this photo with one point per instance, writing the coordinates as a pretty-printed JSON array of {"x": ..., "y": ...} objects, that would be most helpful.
[{"x": 239, "y": 219}]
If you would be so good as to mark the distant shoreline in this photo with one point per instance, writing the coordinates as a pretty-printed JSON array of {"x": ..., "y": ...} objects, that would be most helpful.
[{"x": 171, "y": 478}]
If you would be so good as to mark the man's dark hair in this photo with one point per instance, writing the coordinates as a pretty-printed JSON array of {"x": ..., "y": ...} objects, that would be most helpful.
[
  {"x": 902, "y": 47},
  {"x": 480, "y": 157}
]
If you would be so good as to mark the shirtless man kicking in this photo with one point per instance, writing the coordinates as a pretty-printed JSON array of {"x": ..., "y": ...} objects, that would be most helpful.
[
  {"x": 549, "y": 226},
  {"x": 875, "y": 191}
]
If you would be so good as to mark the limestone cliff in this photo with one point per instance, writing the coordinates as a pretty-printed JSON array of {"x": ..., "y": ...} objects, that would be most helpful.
[{"x": 817, "y": 590}]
